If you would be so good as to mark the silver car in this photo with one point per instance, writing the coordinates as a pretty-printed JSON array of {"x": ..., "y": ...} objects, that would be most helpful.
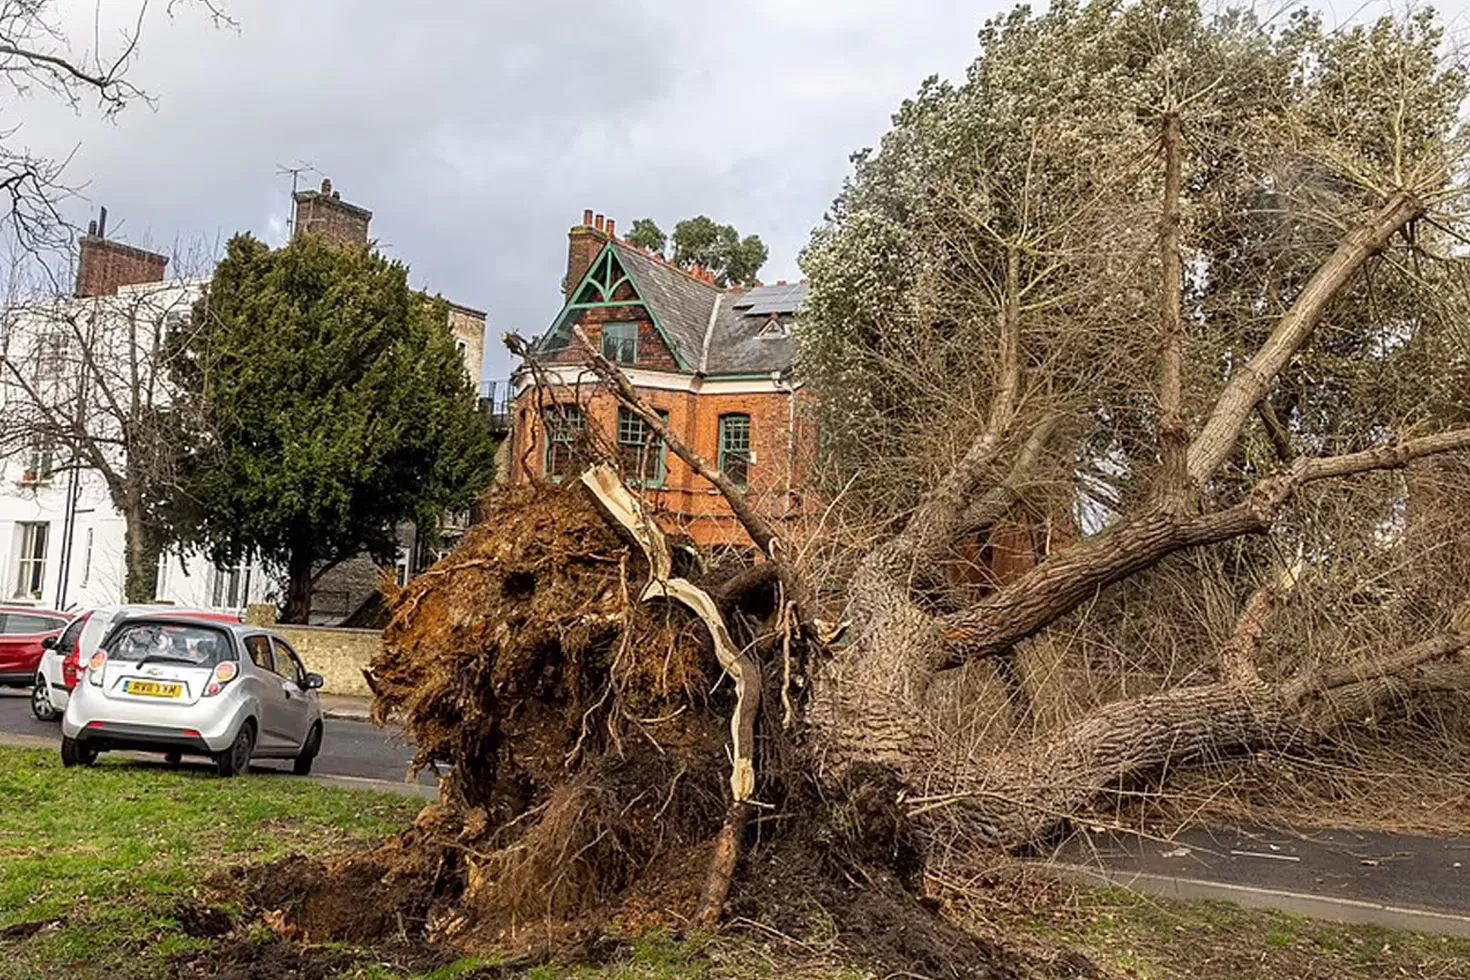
[{"x": 185, "y": 686}]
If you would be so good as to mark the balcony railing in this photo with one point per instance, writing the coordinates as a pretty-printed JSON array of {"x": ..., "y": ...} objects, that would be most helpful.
[{"x": 495, "y": 405}]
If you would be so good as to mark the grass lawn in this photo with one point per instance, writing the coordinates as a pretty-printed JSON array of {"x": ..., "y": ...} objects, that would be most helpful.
[
  {"x": 113, "y": 849},
  {"x": 104, "y": 857}
]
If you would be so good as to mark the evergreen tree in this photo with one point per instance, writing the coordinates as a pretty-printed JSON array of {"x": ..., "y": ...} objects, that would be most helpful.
[{"x": 335, "y": 407}]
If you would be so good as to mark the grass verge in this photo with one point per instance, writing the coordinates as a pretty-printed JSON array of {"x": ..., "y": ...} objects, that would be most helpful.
[
  {"x": 100, "y": 858},
  {"x": 1139, "y": 936},
  {"x": 98, "y": 865}
]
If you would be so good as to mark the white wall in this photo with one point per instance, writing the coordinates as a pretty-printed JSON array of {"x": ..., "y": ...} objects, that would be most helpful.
[{"x": 97, "y": 567}]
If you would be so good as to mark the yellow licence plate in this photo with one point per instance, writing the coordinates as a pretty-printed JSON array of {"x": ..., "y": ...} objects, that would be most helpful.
[{"x": 153, "y": 689}]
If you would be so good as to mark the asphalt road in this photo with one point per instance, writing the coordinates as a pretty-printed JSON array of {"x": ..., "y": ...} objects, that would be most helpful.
[
  {"x": 353, "y": 749},
  {"x": 1352, "y": 868}
]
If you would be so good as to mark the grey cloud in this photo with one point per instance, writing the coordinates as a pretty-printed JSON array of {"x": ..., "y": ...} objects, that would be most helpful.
[{"x": 477, "y": 132}]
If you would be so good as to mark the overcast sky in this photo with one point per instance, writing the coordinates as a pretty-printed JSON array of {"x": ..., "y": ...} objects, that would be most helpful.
[{"x": 478, "y": 131}]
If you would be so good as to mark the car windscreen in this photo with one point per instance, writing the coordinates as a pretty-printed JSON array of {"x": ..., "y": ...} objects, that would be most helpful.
[{"x": 176, "y": 643}]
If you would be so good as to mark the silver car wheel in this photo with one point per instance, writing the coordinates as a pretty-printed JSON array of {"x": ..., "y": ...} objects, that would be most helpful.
[{"x": 41, "y": 705}]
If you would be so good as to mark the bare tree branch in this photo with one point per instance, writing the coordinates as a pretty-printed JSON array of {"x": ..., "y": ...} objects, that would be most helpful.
[
  {"x": 1249, "y": 384},
  {"x": 1173, "y": 439}
]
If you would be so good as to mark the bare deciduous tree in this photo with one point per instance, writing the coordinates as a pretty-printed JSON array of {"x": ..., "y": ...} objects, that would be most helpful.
[{"x": 36, "y": 54}]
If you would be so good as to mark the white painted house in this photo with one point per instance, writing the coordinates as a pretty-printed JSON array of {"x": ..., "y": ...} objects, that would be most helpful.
[{"x": 62, "y": 539}]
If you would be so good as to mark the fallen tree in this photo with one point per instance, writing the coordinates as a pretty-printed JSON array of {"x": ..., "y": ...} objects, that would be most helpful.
[{"x": 1125, "y": 311}]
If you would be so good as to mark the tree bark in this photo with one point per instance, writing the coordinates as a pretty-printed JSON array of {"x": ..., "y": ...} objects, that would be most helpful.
[
  {"x": 1249, "y": 385},
  {"x": 1173, "y": 439},
  {"x": 1024, "y": 795},
  {"x": 140, "y": 580},
  {"x": 298, "y": 587}
]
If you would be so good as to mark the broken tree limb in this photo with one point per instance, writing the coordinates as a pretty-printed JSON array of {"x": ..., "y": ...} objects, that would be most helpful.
[
  {"x": 607, "y": 488},
  {"x": 1173, "y": 438},
  {"x": 1025, "y": 794},
  {"x": 1239, "y": 655},
  {"x": 1217, "y": 437},
  {"x": 1073, "y": 576}
]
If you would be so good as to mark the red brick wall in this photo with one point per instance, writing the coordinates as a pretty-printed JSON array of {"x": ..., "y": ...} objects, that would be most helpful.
[
  {"x": 686, "y": 503},
  {"x": 104, "y": 266},
  {"x": 323, "y": 213},
  {"x": 653, "y": 353},
  {"x": 583, "y": 245}
]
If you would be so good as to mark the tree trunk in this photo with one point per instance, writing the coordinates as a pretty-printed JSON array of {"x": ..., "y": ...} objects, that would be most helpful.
[
  {"x": 298, "y": 587},
  {"x": 140, "y": 581}
]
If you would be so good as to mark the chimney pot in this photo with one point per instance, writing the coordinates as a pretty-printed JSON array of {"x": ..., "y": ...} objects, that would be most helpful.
[
  {"x": 611, "y": 224},
  {"x": 597, "y": 222},
  {"x": 92, "y": 227},
  {"x": 326, "y": 186},
  {"x": 101, "y": 222},
  {"x": 587, "y": 218}
]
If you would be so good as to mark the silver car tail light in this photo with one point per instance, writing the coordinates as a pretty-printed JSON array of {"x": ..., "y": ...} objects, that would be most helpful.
[{"x": 224, "y": 672}]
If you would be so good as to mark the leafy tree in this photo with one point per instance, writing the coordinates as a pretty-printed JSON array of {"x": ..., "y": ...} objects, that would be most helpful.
[
  {"x": 720, "y": 249},
  {"x": 336, "y": 406},
  {"x": 647, "y": 234},
  {"x": 1171, "y": 268}
]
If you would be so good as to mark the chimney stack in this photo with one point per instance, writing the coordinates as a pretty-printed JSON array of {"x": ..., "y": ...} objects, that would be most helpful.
[
  {"x": 103, "y": 266},
  {"x": 324, "y": 213},
  {"x": 584, "y": 244}
]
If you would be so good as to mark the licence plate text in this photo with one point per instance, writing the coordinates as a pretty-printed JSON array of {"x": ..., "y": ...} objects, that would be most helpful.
[{"x": 153, "y": 689}]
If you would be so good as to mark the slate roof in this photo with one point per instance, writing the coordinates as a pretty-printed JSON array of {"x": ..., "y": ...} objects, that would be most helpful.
[{"x": 741, "y": 339}]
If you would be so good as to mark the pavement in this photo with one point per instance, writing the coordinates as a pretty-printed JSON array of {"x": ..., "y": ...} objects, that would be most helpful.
[
  {"x": 345, "y": 707},
  {"x": 354, "y": 752},
  {"x": 1393, "y": 880}
]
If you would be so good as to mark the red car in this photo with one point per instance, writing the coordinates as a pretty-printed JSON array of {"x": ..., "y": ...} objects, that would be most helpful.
[{"x": 22, "y": 632}]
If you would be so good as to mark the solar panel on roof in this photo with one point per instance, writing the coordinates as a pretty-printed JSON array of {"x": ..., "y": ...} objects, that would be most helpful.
[{"x": 765, "y": 300}]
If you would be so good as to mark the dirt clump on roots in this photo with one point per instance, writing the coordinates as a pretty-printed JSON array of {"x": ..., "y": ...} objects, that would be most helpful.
[
  {"x": 585, "y": 736},
  {"x": 582, "y": 734}
]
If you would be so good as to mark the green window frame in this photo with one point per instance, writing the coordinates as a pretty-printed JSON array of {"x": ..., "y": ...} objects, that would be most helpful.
[
  {"x": 564, "y": 425},
  {"x": 643, "y": 455},
  {"x": 620, "y": 342},
  {"x": 735, "y": 448}
]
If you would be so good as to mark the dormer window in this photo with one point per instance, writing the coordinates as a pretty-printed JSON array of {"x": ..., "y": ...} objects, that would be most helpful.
[{"x": 620, "y": 342}]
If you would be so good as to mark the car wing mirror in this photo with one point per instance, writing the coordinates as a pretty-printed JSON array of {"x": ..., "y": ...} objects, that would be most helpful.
[
  {"x": 50, "y": 643},
  {"x": 315, "y": 682}
]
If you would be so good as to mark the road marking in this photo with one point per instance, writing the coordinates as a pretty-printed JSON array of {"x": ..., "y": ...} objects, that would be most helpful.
[
  {"x": 1263, "y": 854},
  {"x": 1318, "y": 906}
]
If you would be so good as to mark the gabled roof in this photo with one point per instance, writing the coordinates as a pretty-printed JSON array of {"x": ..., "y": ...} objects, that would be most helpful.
[{"x": 711, "y": 331}]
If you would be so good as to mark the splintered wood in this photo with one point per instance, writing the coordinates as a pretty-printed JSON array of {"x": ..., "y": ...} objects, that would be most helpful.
[{"x": 608, "y": 489}]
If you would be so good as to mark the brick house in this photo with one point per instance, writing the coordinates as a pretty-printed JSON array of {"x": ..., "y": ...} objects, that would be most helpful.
[{"x": 716, "y": 361}]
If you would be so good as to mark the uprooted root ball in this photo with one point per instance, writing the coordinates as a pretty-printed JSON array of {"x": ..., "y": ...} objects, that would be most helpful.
[{"x": 583, "y": 742}]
